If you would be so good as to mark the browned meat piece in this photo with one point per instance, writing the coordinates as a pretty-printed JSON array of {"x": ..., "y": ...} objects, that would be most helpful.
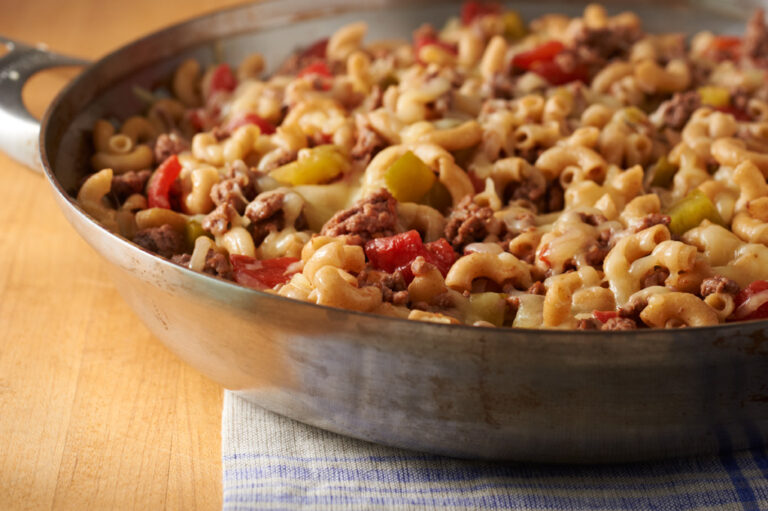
[
  {"x": 373, "y": 217},
  {"x": 237, "y": 188},
  {"x": 133, "y": 181},
  {"x": 529, "y": 190},
  {"x": 216, "y": 264},
  {"x": 500, "y": 86},
  {"x": 619, "y": 324},
  {"x": 593, "y": 48},
  {"x": 593, "y": 219},
  {"x": 537, "y": 289},
  {"x": 367, "y": 144},
  {"x": 755, "y": 43},
  {"x": 650, "y": 220},
  {"x": 218, "y": 221},
  {"x": 468, "y": 223},
  {"x": 303, "y": 57},
  {"x": 633, "y": 308},
  {"x": 588, "y": 324},
  {"x": 229, "y": 191},
  {"x": 718, "y": 284},
  {"x": 393, "y": 287},
  {"x": 739, "y": 99},
  {"x": 596, "y": 254},
  {"x": 604, "y": 44},
  {"x": 169, "y": 144},
  {"x": 655, "y": 277},
  {"x": 555, "y": 199},
  {"x": 266, "y": 214},
  {"x": 679, "y": 109},
  {"x": 163, "y": 240}
]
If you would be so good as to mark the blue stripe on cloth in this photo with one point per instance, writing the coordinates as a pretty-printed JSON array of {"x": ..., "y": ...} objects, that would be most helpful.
[
  {"x": 740, "y": 483},
  {"x": 270, "y": 462}
]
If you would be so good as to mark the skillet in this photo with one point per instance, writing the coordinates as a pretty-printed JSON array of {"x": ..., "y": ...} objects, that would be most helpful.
[{"x": 529, "y": 395}]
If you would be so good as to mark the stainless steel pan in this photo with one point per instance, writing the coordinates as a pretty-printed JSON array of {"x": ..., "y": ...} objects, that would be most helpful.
[{"x": 562, "y": 396}]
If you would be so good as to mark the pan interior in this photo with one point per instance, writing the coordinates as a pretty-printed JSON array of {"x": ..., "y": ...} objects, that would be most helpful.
[{"x": 275, "y": 29}]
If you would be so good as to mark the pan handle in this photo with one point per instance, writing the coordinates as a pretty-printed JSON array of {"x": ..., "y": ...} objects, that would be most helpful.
[{"x": 19, "y": 130}]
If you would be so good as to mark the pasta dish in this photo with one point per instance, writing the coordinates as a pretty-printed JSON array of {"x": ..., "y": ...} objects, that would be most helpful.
[{"x": 562, "y": 172}]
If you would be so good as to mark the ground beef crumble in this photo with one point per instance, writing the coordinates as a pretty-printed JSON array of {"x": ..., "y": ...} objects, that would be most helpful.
[
  {"x": 218, "y": 221},
  {"x": 266, "y": 215},
  {"x": 675, "y": 112},
  {"x": 619, "y": 323},
  {"x": 468, "y": 223},
  {"x": 372, "y": 217},
  {"x": 718, "y": 284},
  {"x": 755, "y": 43},
  {"x": 167, "y": 145},
  {"x": 131, "y": 182},
  {"x": 163, "y": 240},
  {"x": 216, "y": 264},
  {"x": 392, "y": 285}
]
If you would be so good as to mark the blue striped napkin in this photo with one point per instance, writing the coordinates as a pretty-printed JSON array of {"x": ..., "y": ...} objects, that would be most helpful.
[{"x": 270, "y": 462}]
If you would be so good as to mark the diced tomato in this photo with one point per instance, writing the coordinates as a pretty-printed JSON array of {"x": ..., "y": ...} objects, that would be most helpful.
[
  {"x": 160, "y": 183},
  {"x": 725, "y": 47},
  {"x": 423, "y": 41},
  {"x": 203, "y": 119},
  {"x": 264, "y": 125},
  {"x": 541, "y": 60},
  {"x": 318, "y": 68},
  {"x": 604, "y": 316},
  {"x": 316, "y": 50},
  {"x": 262, "y": 274},
  {"x": 554, "y": 74},
  {"x": 474, "y": 9},
  {"x": 544, "y": 52},
  {"x": 761, "y": 312},
  {"x": 441, "y": 254},
  {"x": 223, "y": 79},
  {"x": 737, "y": 113},
  {"x": 399, "y": 251}
]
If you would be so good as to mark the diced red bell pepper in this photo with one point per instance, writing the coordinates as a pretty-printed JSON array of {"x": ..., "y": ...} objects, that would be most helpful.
[
  {"x": 760, "y": 312},
  {"x": 262, "y": 274},
  {"x": 474, "y": 9},
  {"x": 604, "y": 316},
  {"x": 223, "y": 79},
  {"x": 737, "y": 113},
  {"x": 264, "y": 125},
  {"x": 399, "y": 251},
  {"x": 159, "y": 186},
  {"x": 544, "y": 52}
]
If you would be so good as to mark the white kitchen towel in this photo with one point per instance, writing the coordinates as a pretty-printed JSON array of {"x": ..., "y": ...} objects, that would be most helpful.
[{"x": 270, "y": 462}]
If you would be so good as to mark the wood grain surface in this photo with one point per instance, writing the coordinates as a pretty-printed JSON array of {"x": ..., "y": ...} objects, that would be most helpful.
[{"x": 94, "y": 412}]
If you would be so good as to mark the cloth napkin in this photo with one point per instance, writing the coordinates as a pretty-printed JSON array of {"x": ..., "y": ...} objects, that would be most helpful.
[{"x": 270, "y": 462}]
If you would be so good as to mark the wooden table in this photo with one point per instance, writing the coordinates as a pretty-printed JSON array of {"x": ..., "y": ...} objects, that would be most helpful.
[{"x": 94, "y": 412}]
